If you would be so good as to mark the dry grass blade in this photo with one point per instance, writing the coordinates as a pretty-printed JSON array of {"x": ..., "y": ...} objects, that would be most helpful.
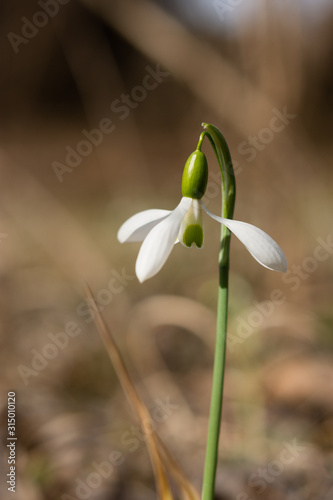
[
  {"x": 162, "y": 483},
  {"x": 187, "y": 489},
  {"x": 157, "y": 449}
]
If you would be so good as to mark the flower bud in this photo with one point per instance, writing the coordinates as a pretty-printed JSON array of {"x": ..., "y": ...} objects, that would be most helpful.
[{"x": 195, "y": 176}]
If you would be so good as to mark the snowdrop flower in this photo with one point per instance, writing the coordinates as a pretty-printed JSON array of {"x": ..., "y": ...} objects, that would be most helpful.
[{"x": 159, "y": 229}]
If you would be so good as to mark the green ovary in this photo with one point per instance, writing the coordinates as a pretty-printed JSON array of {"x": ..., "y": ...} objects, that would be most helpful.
[
  {"x": 193, "y": 234},
  {"x": 195, "y": 176}
]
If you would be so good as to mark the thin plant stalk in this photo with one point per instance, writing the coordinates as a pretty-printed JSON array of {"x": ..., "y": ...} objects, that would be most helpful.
[{"x": 228, "y": 201}]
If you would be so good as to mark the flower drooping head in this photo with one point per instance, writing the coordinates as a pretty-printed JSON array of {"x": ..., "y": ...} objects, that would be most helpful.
[{"x": 160, "y": 229}]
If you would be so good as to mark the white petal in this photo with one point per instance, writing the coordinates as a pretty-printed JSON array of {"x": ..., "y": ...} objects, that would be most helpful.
[
  {"x": 158, "y": 245},
  {"x": 193, "y": 217},
  {"x": 138, "y": 226},
  {"x": 261, "y": 246}
]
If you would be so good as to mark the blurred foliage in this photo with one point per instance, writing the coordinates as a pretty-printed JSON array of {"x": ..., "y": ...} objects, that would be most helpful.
[{"x": 71, "y": 73}]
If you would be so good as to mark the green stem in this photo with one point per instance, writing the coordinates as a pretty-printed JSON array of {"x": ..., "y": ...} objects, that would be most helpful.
[
  {"x": 228, "y": 201},
  {"x": 217, "y": 388},
  {"x": 201, "y": 138}
]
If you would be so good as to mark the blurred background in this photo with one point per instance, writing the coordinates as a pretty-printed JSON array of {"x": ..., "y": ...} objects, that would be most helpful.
[{"x": 101, "y": 104}]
